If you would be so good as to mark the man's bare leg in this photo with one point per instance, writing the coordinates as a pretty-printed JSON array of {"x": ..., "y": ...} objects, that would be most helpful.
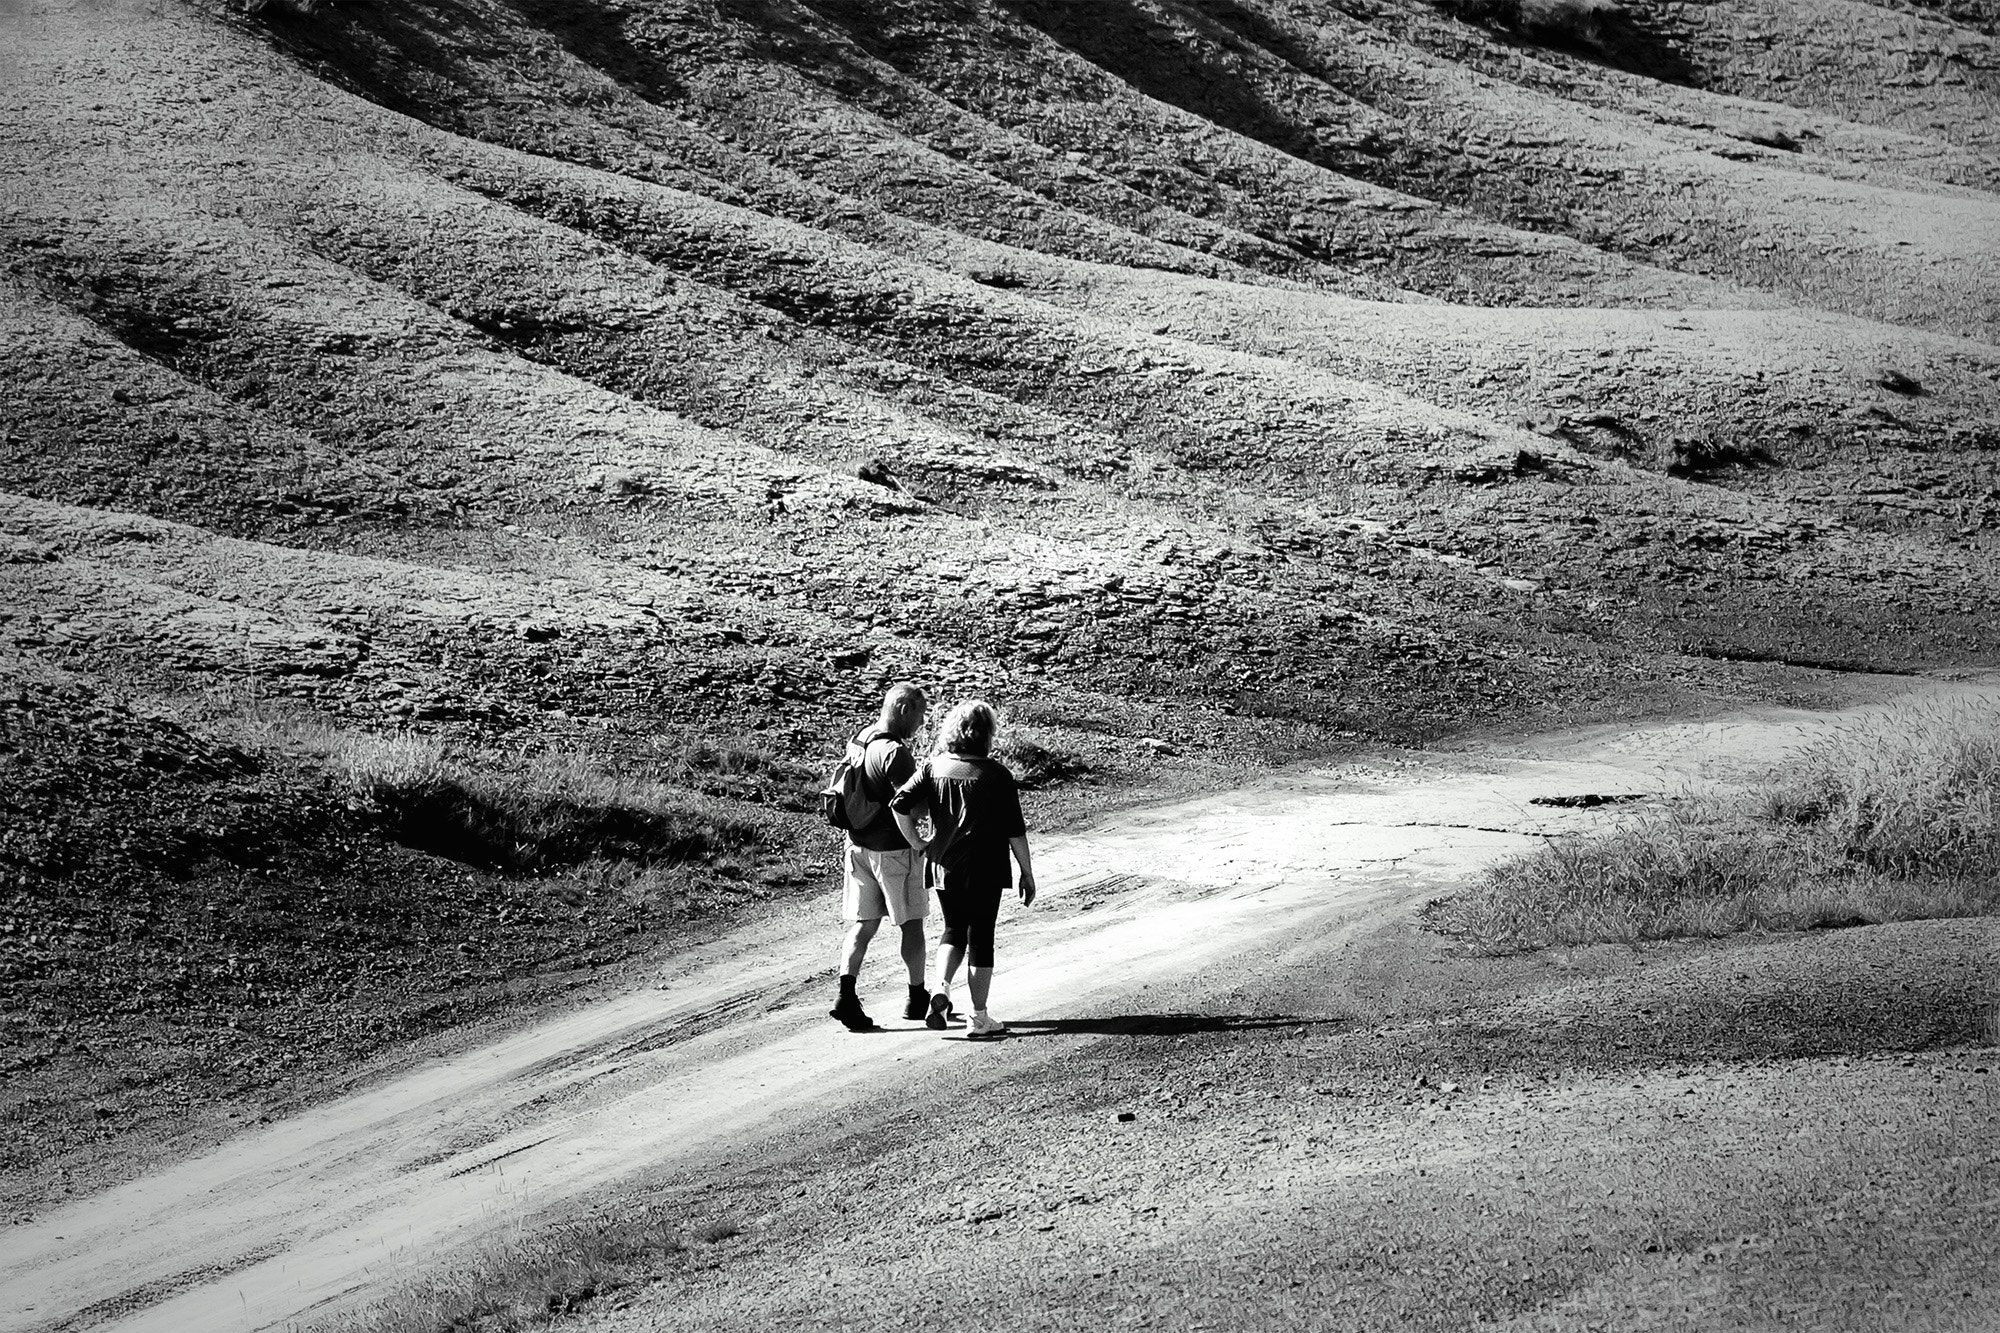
[
  {"x": 852, "y": 950},
  {"x": 913, "y": 950},
  {"x": 977, "y": 982},
  {"x": 855, "y": 948},
  {"x": 913, "y": 962}
]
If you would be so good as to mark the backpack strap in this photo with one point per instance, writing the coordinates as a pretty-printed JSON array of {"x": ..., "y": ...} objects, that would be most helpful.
[{"x": 859, "y": 748}]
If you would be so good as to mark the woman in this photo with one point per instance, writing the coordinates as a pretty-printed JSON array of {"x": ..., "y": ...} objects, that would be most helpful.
[{"x": 974, "y": 808}]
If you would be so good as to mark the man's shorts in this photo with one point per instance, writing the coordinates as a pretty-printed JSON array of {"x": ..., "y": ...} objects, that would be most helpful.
[{"x": 883, "y": 884}]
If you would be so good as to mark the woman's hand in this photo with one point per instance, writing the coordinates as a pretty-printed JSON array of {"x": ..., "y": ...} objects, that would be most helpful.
[{"x": 1018, "y": 845}]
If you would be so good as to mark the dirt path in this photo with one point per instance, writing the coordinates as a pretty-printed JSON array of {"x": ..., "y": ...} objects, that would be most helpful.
[{"x": 325, "y": 1207}]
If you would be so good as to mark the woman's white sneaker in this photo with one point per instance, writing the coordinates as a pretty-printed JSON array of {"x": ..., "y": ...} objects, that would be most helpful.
[{"x": 985, "y": 1027}]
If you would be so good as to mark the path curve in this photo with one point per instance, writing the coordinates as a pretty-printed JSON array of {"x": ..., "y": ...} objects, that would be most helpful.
[{"x": 325, "y": 1208}]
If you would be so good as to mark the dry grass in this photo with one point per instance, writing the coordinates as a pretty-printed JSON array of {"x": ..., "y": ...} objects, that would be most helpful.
[
  {"x": 550, "y": 810},
  {"x": 1651, "y": 877},
  {"x": 1913, "y": 792},
  {"x": 1037, "y": 757},
  {"x": 1896, "y": 817},
  {"x": 742, "y": 770},
  {"x": 718, "y": 1230},
  {"x": 531, "y": 1280},
  {"x": 521, "y": 813}
]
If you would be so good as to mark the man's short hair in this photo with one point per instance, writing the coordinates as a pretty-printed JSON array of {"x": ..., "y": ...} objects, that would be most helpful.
[
  {"x": 903, "y": 699},
  {"x": 968, "y": 729}
]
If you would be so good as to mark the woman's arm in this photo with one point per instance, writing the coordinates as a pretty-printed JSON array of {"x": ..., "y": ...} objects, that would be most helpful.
[{"x": 1019, "y": 846}]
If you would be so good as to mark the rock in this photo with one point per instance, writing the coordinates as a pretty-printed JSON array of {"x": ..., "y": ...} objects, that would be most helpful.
[
  {"x": 848, "y": 658},
  {"x": 876, "y": 473},
  {"x": 1697, "y": 458},
  {"x": 1895, "y": 381},
  {"x": 18, "y": 550},
  {"x": 1777, "y": 139},
  {"x": 1154, "y": 745},
  {"x": 985, "y": 470},
  {"x": 1587, "y": 800},
  {"x": 1490, "y": 466},
  {"x": 1126, "y": 1117}
]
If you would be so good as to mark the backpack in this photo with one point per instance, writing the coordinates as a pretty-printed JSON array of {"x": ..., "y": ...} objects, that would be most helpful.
[{"x": 844, "y": 803}]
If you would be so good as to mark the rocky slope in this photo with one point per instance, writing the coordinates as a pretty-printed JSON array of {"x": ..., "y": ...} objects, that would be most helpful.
[{"x": 607, "y": 381}]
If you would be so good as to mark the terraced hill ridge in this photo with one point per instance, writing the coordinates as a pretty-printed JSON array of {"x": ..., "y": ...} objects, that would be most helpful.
[{"x": 568, "y": 416}]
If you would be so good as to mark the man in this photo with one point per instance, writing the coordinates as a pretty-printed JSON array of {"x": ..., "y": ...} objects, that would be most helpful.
[{"x": 884, "y": 874}]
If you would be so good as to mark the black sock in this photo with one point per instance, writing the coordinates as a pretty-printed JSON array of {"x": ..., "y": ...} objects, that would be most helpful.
[
  {"x": 917, "y": 988},
  {"x": 846, "y": 985}
]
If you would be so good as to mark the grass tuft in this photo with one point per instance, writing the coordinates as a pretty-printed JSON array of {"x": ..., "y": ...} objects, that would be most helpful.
[
  {"x": 1672, "y": 873},
  {"x": 1037, "y": 759},
  {"x": 529, "y": 1282},
  {"x": 743, "y": 770},
  {"x": 716, "y": 1231},
  {"x": 1911, "y": 793},
  {"x": 521, "y": 815},
  {"x": 1891, "y": 818},
  {"x": 552, "y": 811},
  {"x": 532, "y": 1280}
]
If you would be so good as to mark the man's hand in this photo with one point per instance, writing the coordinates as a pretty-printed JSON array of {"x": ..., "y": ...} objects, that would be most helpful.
[
  {"x": 1027, "y": 888},
  {"x": 912, "y": 834}
]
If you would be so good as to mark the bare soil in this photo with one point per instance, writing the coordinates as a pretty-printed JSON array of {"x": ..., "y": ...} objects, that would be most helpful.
[
  {"x": 1215, "y": 386},
  {"x": 1243, "y": 975}
]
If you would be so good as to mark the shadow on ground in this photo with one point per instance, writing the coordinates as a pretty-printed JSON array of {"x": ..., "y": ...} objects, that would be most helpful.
[{"x": 1161, "y": 1025}]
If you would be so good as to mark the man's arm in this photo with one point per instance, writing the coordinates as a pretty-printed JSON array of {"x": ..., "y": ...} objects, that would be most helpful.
[
  {"x": 911, "y": 833},
  {"x": 1019, "y": 846},
  {"x": 909, "y": 799}
]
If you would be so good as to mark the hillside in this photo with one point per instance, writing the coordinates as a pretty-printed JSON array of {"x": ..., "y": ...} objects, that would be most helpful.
[{"x": 636, "y": 386}]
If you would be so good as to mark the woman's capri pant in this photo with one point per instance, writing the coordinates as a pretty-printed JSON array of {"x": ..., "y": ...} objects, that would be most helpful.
[{"x": 971, "y": 903}]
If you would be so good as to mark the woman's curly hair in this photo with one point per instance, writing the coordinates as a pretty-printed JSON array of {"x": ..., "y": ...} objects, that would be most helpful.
[{"x": 968, "y": 729}]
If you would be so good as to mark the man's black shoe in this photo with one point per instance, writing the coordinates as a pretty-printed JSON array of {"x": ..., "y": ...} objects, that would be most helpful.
[
  {"x": 920, "y": 1003},
  {"x": 850, "y": 1013}
]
